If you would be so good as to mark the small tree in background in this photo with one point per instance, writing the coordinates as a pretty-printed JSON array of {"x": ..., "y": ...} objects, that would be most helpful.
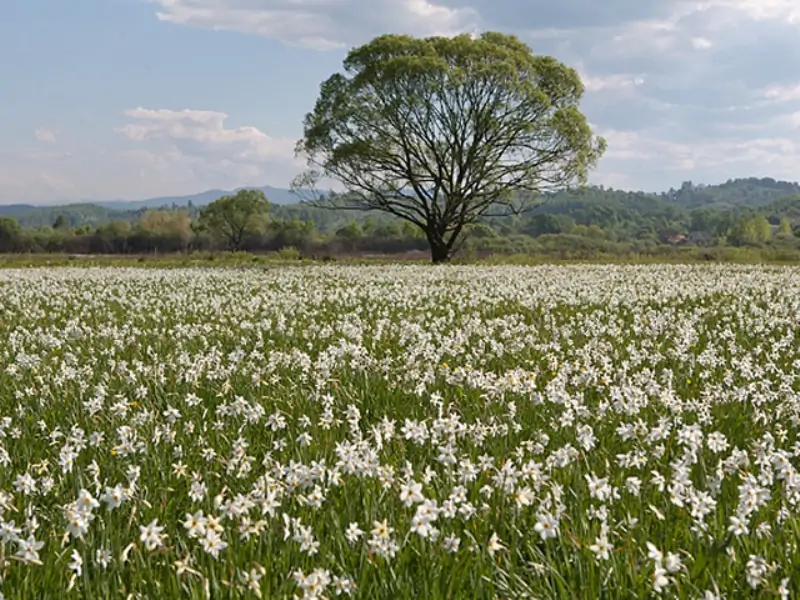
[
  {"x": 442, "y": 131},
  {"x": 10, "y": 235},
  {"x": 232, "y": 217}
]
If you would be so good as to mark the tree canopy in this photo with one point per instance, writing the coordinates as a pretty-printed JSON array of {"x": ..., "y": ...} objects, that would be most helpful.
[
  {"x": 441, "y": 131},
  {"x": 231, "y": 217}
]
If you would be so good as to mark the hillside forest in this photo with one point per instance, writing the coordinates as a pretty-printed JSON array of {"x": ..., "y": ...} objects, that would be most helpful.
[{"x": 759, "y": 214}]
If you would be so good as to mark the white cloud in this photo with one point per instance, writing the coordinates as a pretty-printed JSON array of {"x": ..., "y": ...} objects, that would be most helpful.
[
  {"x": 206, "y": 130},
  {"x": 45, "y": 135},
  {"x": 781, "y": 93},
  {"x": 615, "y": 82},
  {"x": 701, "y": 43},
  {"x": 194, "y": 148},
  {"x": 793, "y": 120},
  {"x": 669, "y": 162},
  {"x": 785, "y": 10},
  {"x": 325, "y": 24},
  {"x": 319, "y": 24},
  {"x": 718, "y": 93},
  {"x": 157, "y": 152}
]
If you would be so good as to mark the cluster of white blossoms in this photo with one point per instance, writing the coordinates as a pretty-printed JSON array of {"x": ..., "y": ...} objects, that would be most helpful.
[{"x": 397, "y": 432}]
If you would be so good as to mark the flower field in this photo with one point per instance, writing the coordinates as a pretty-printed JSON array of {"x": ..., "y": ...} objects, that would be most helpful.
[{"x": 400, "y": 432}]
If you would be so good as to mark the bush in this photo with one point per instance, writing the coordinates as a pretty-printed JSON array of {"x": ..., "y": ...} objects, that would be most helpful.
[{"x": 288, "y": 253}]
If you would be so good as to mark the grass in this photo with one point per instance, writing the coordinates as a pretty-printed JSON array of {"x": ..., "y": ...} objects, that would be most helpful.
[{"x": 660, "y": 255}]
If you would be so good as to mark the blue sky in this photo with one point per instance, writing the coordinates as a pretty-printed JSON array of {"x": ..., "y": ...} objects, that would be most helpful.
[{"x": 107, "y": 99}]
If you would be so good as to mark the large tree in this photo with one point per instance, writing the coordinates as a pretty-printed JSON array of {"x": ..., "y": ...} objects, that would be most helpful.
[
  {"x": 231, "y": 217},
  {"x": 441, "y": 131}
]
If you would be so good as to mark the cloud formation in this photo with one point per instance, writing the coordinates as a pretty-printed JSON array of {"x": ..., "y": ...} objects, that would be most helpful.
[
  {"x": 203, "y": 132},
  {"x": 698, "y": 89},
  {"x": 45, "y": 135},
  {"x": 705, "y": 90},
  {"x": 319, "y": 24},
  {"x": 158, "y": 152},
  {"x": 196, "y": 145}
]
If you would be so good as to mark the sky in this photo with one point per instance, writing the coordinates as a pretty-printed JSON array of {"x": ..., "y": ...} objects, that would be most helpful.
[{"x": 130, "y": 99}]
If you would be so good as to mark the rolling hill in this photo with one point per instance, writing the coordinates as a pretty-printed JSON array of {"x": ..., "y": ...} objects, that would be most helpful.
[
  {"x": 684, "y": 208},
  {"x": 275, "y": 196}
]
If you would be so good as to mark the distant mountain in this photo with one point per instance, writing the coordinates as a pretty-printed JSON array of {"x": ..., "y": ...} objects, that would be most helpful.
[
  {"x": 628, "y": 212},
  {"x": 274, "y": 195},
  {"x": 15, "y": 209}
]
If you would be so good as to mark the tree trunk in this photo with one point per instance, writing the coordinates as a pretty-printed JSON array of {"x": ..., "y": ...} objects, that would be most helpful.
[{"x": 440, "y": 253}]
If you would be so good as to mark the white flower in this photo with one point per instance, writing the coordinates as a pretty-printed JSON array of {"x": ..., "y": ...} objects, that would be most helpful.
[
  {"x": 633, "y": 485},
  {"x": 783, "y": 589},
  {"x": 660, "y": 580},
  {"x": 103, "y": 557},
  {"x": 114, "y": 497},
  {"x": 598, "y": 488},
  {"x": 381, "y": 529},
  {"x": 654, "y": 553},
  {"x": 601, "y": 548},
  {"x": 85, "y": 502},
  {"x": 78, "y": 523},
  {"x": 25, "y": 483},
  {"x": 252, "y": 579},
  {"x": 495, "y": 545},
  {"x": 421, "y": 526},
  {"x": 756, "y": 569},
  {"x": 195, "y": 524},
  {"x": 738, "y": 527},
  {"x": 353, "y": 533},
  {"x": 451, "y": 544},
  {"x": 546, "y": 526},
  {"x": 673, "y": 563},
  {"x": 213, "y": 544},
  {"x": 77, "y": 563},
  {"x": 524, "y": 496},
  {"x": 716, "y": 442},
  {"x": 28, "y": 550},
  {"x": 343, "y": 586},
  {"x": 411, "y": 493},
  {"x": 151, "y": 535}
]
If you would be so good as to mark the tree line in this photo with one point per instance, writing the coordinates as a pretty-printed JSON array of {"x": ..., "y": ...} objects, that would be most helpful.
[
  {"x": 240, "y": 222},
  {"x": 246, "y": 221}
]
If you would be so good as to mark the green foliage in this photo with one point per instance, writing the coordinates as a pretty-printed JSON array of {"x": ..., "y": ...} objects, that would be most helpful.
[
  {"x": 441, "y": 131},
  {"x": 750, "y": 192},
  {"x": 289, "y": 253},
  {"x": 753, "y": 231},
  {"x": 565, "y": 226},
  {"x": 10, "y": 234},
  {"x": 548, "y": 223},
  {"x": 232, "y": 217},
  {"x": 75, "y": 215},
  {"x": 350, "y": 231}
]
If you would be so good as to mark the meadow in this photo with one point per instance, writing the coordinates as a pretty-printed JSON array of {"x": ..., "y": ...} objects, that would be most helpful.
[{"x": 391, "y": 432}]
